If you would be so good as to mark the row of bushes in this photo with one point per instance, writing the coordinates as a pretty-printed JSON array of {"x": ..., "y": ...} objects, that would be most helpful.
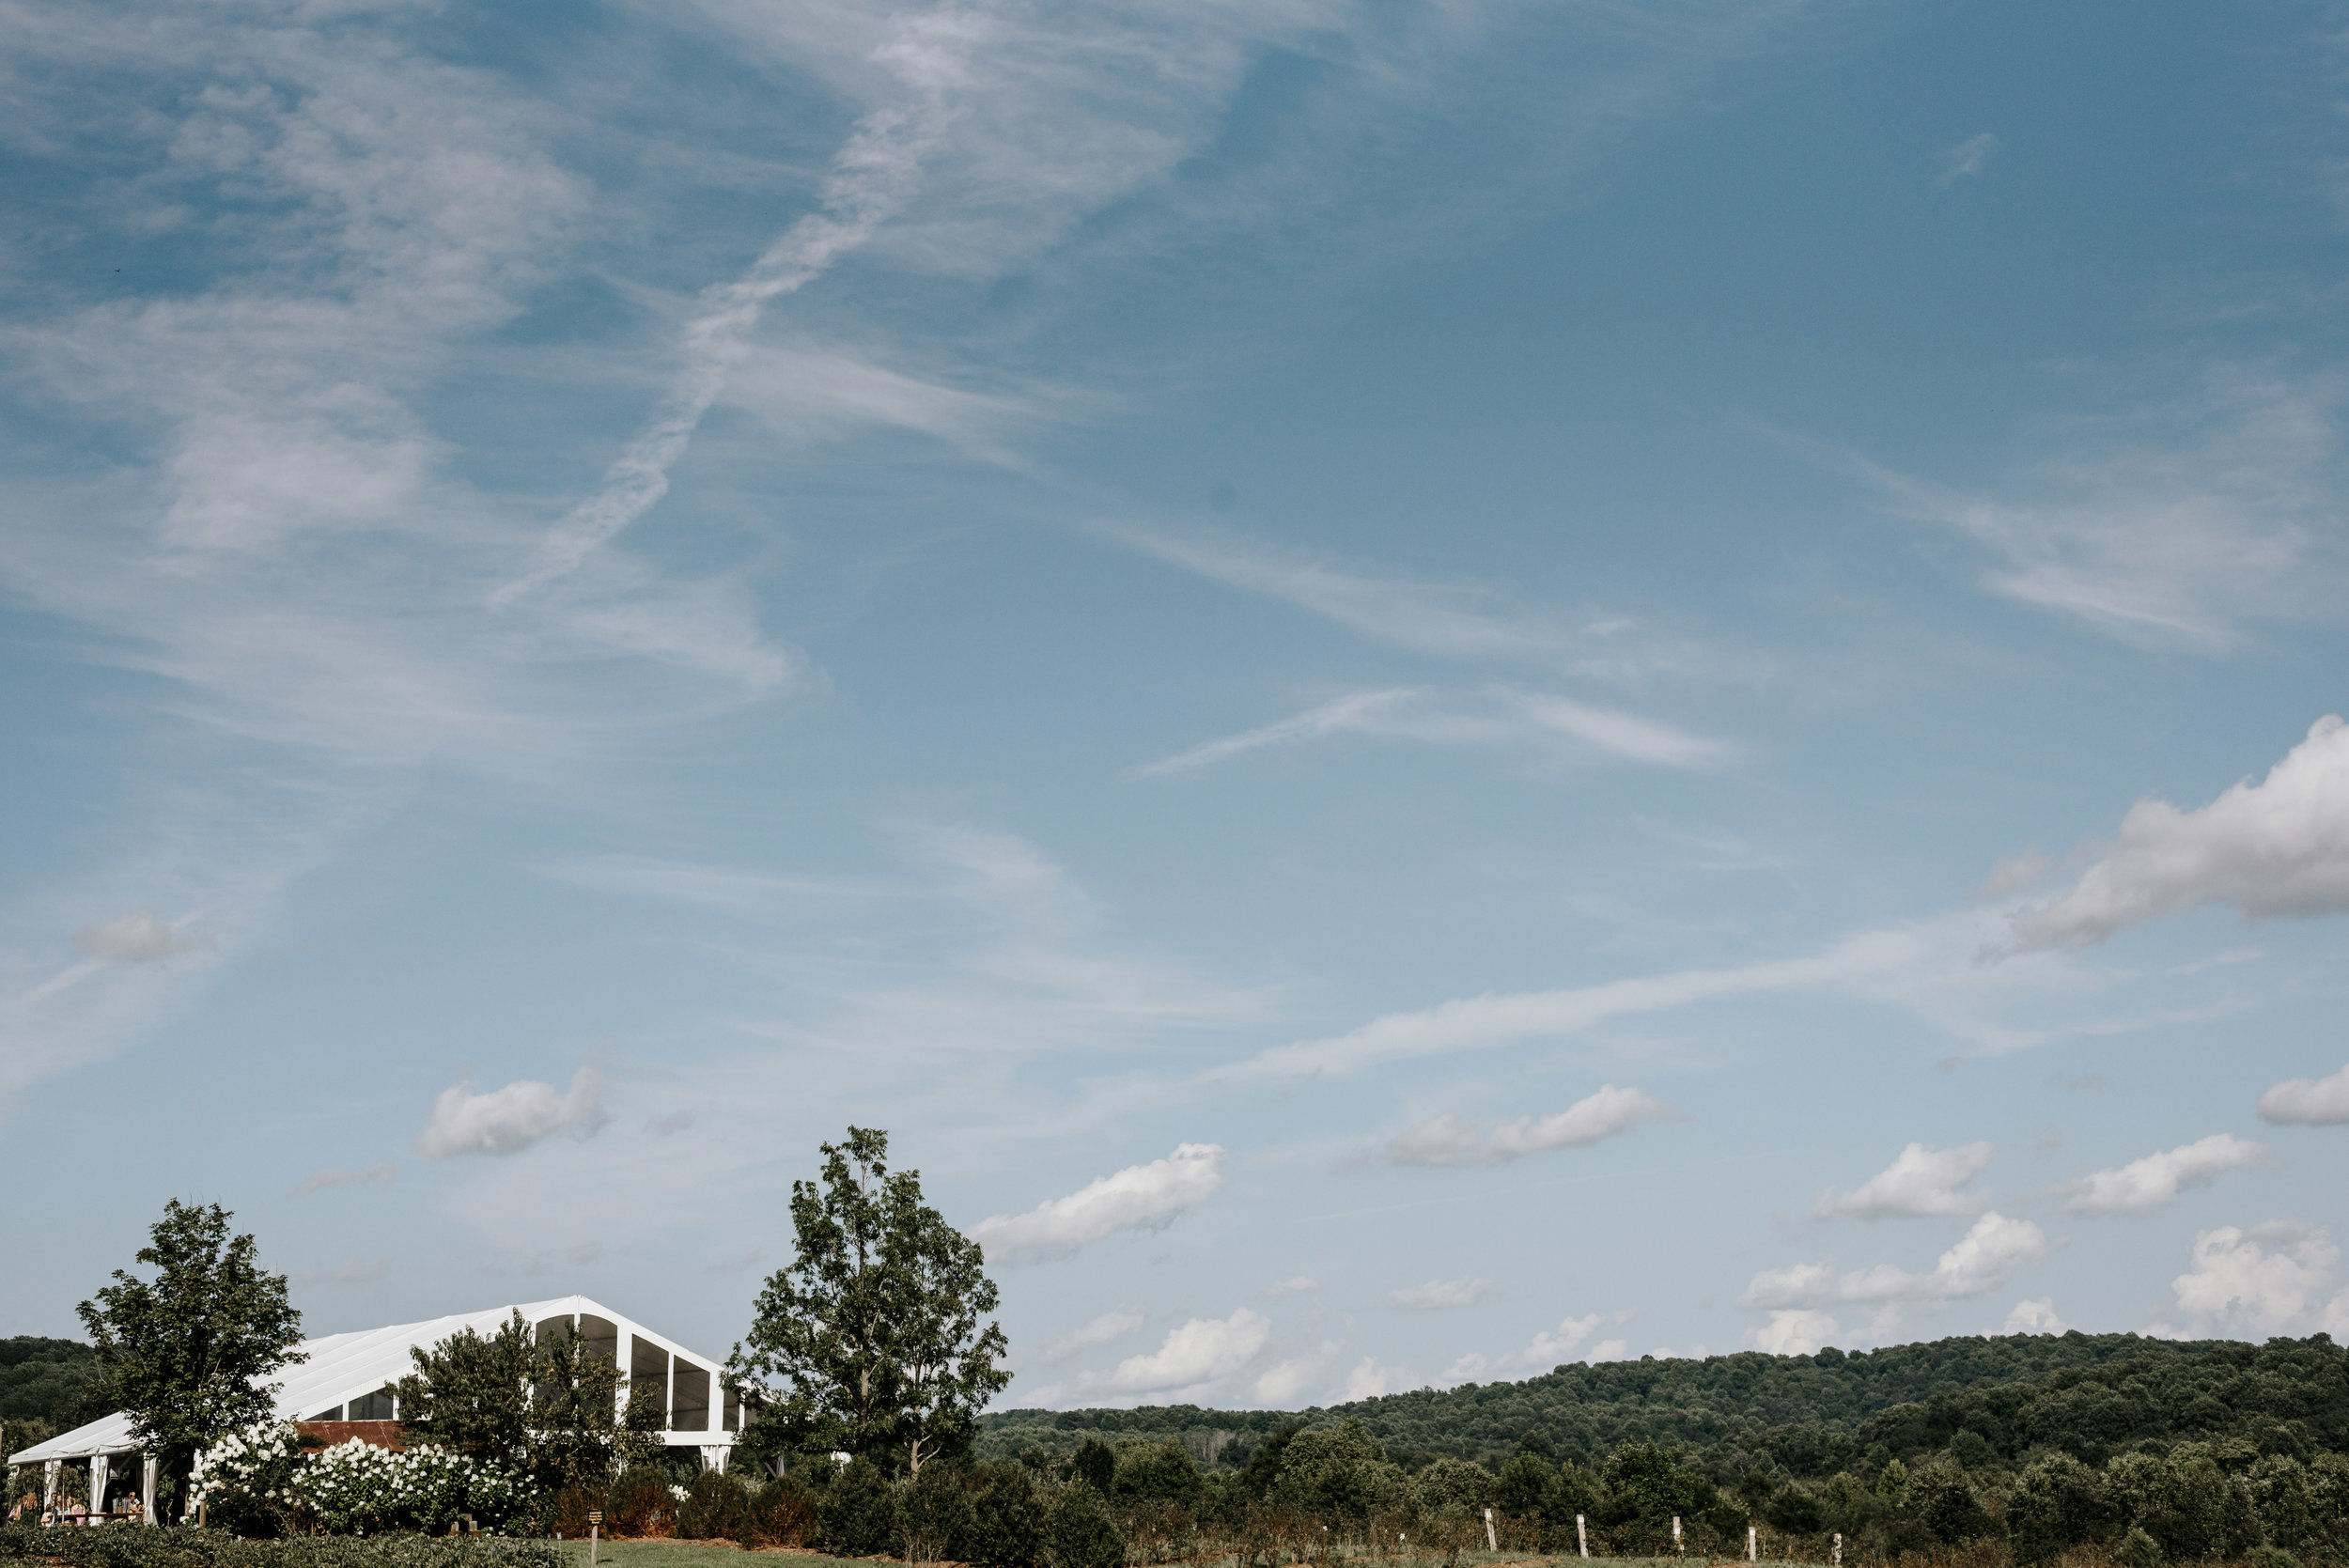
[
  {"x": 260, "y": 1482},
  {"x": 125, "y": 1546}
]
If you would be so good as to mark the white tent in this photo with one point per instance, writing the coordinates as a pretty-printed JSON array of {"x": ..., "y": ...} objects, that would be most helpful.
[{"x": 346, "y": 1377}]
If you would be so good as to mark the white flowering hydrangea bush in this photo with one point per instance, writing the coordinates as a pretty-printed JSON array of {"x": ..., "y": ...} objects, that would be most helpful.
[
  {"x": 355, "y": 1488},
  {"x": 246, "y": 1481},
  {"x": 257, "y": 1483}
]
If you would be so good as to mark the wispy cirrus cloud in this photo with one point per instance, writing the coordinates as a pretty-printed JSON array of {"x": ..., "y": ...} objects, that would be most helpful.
[
  {"x": 1492, "y": 718},
  {"x": 1439, "y": 1295},
  {"x": 379, "y": 1175},
  {"x": 2179, "y": 525}
]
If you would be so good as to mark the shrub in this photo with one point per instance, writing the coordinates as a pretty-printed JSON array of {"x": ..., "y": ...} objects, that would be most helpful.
[
  {"x": 782, "y": 1514},
  {"x": 858, "y": 1516},
  {"x": 2138, "y": 1550},
  {"x": 934, "y": 1509},
  {"x": 640, "y": 1503},
  {"x": 2271, "y": 1556},
  {"x": 1008, "y": 1519},
  {"x": 127, "y": 1546},
  {"x": 1078, "y": 1533},
  {"x": 715, "y": 1507}
]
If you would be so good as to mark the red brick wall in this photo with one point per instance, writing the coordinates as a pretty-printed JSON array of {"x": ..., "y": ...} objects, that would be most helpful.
[{"x": 384, "y": 1435}]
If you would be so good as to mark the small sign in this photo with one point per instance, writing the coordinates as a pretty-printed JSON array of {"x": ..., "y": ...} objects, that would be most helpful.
[{"x": 594, "y": 1515}]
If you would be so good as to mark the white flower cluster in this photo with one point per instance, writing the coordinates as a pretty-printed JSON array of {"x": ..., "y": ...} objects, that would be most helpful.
[
  {"x": 354, "y": 1487},
  {"x": 257, "y": 1462}
]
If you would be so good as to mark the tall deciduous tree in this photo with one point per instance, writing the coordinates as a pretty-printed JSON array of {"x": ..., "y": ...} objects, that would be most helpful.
[
  {"x": 549, "y": 1409},
  {"x": 873, "y": 1340},
  {"x": 190, "y": 1352}
]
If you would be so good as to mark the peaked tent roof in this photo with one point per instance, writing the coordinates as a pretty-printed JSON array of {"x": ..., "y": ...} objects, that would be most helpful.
[{"x": 342, "y": 1367}]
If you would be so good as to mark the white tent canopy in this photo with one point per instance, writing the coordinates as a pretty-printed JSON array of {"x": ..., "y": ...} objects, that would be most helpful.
[{"x": 346, "y": 1378}]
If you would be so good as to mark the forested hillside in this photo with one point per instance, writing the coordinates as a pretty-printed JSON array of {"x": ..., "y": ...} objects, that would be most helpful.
[
  {"x": 43, "y": 1379},
  {"x": 1810, "y": 1416}
]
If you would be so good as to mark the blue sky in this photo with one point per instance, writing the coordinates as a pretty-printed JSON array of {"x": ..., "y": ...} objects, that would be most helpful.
[{"x": 1414, "y": 690}]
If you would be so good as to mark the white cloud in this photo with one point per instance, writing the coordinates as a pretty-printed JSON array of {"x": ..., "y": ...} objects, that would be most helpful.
[
  {"x": 1372, "y": 1378},
  {"x": 1549, "y": 1348},
  {"x": 1919, "y": 1182},
  {"x": 1115, "y": 1324},
  {"x": 1292, "y": 1286},
  {"x": 1139, "y": 1198},
  {"x": 1610, "y": 1350},
  {"x": 466, "y": 1121},
  {"x": 1451, "y": 1139},
  {"x": 2275, "y": 850},
  {"x": 2171, "y": 525},
  {"x": 2307, "y": 1101},
  {"x": 137, "y": 938},
  {"x": 2158, "y": 1178},
  {"x": 1793, "y": 1331},
  {"x": 1203, "y": 1351},
  {"x": 2260, "y": 1281},
  {"x": 380, "y": 1172},
  {"x": 1966, "y": 158},
  {"x": 1496, "y": 717},
  {"x": 1438, "y": 1294},
  {"x": 1979, "y": 1262},
  {"x": 2034, "y": 1317},
  {"x": 1285, "y": 1382}
]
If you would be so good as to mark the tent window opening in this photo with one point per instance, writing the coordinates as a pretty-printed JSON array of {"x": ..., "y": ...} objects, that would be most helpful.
[
  {"x": 376, "y": 1406},
  {"x": 734, "y": 1411},
  {"x": 649, "y": 1368},
  {"x": 332, "y": 1413},
  {"x": 691, "y": 1412},
  {"x": 600, "y": 1337}
]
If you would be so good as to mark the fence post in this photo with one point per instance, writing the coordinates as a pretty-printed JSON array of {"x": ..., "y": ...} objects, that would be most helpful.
[
  {"x": 1581, "y": 1535},
  {"x": 1492, "y": 1541},
  {"x": 1837, "y": 1561},
  {"x": 1753, "y": 1544},
  {"x": 1677, "y": 1547}
]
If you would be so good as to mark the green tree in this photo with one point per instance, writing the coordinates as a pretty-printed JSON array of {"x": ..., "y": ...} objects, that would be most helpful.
[
  {"x": 1155, "y": 1473},
  {"x": 471, "y": 1393},
  {"x": 1079, "y": 1531},
  {"x": 190, "y": 1352},
  {"x": 858, "y": 1515},
  {"x": 2057, "y": 1503},
  {"x": 546, "y": 1409},
  {"x": 935, "y": 1510},
  {"x": 1008, "y": 1520},
  {"x": 870, "y": 1342}
]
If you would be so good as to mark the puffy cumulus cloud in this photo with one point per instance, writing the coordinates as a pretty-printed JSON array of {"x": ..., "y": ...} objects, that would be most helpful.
[
  {"x": 1793, "y": 1331},
  {"x": 2278, "y": 848},
  {"x": 2036, "y": 1317},
  {"x": 2307, "y": 1101},
  {"x": 1919, "y": 1183},
  {"x": 1115, "y": 1324},
  {"x": 318, "y": 1181},
  {"x": 1979, "y": 1262},
  {"x": 2157, "y": 1179},
  {"x": 1551, "y": 1347},
  {"x": 1372, "y": 1378},
  {"x": 466, "y": 1121},
  {"x": 1285, "y": 1382},
  {"x": 1139, "y": 1198},
  {"x": 1203, "y": 1351},
  {"x": 1451, "y": 1139},
  {"x": 2263, "y": 1280},
  {"x": 137, "y": 938},
  {"x": 1437, "y": 1293}
]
